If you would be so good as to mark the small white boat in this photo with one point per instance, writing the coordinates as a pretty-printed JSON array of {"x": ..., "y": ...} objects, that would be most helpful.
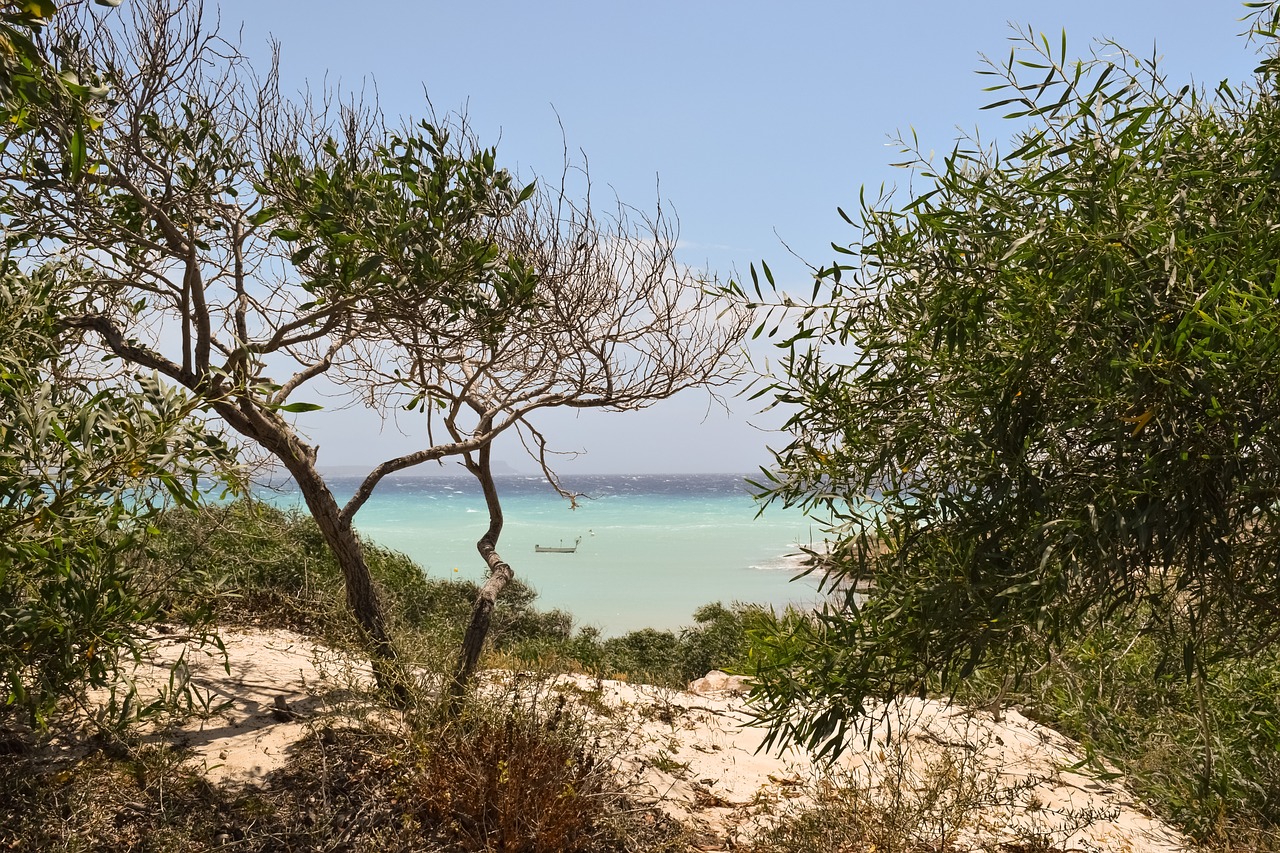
[{"x": 558, "y": 549}]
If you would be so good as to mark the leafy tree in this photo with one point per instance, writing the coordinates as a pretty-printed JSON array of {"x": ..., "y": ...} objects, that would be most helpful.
[
  {"x": 1042, "y": 392},
  {"x": 251, "y": 251},
  {"x": 82, "y": 470}
]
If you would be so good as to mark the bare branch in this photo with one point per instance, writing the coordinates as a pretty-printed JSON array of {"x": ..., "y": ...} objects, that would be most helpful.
[{"x": 119, "y": 346}]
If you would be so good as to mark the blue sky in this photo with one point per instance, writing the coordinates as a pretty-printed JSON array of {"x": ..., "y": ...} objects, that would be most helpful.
[{"x": 752, "y": 120}]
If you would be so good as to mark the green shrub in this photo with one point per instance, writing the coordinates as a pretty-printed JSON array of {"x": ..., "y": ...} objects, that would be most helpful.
[
  {"x": 1205, "y": 753},
  {"x": 645, "y": 655},
  {"x": 716, "y": 640},
  {"x": 252, "y": 562},
  {"x": 82, "y": 471},
  {"x": 255, "y": 563},
  {"x": 68, "y": 618}
]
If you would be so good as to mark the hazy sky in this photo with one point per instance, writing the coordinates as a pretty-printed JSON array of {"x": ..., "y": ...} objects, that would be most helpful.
[{"x": 754, "y": 121}]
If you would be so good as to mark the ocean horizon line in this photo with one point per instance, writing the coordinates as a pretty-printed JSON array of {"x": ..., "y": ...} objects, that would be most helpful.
[{"x": 434, "y": 471}]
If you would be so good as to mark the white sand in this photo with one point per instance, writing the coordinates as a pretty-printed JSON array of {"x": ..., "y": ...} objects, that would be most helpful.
[{"x": 690, "y": 754}]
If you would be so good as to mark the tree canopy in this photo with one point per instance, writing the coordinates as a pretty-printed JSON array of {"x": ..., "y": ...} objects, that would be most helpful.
[
  {"x": 84, "y": 466},
  {"x": 1040, "y": 391},
  {"x": 258, "y": 252}
]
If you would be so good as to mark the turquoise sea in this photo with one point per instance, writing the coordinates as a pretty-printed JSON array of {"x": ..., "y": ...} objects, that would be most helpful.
[{"x": 650, "y": 548}]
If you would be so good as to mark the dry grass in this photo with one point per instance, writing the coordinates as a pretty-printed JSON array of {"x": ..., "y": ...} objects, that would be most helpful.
[
  {"x": 516, "y": 780},
  {"x": 942, "y": 802},
  {"x": 501, "y": 777}
]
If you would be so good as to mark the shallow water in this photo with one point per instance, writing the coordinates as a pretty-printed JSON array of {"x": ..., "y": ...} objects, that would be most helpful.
[{"x": 651, "y": 548}]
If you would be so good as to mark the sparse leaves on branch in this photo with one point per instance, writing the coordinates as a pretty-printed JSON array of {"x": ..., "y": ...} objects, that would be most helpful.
[{"x": 259, "y": 252}]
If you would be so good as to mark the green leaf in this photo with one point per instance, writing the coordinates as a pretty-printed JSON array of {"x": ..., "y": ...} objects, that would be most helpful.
[
  {"x": 76, "y": 151},
  {"x": 300, "y": 256},
  {"x": 301, "y": 407},
  {"x": 368, "y": 266},
  {"x": 41, "y": 9}
]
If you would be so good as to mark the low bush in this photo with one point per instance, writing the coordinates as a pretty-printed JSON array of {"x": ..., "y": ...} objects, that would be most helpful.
[
  {"x": 255, "y": 563},
  {"x": 250, "y": 562},
  {"x": 716, "y": 640},
  {"x": 505, "y": 776},
  {"x": 82, "y": 472},
  {"x": 941, "y": 802},
  {"x": 1204, "y": 752},
  {"x": 513, "y": 778}
]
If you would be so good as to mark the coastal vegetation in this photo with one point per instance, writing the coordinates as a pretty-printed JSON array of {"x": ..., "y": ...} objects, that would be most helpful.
[
  {"x": 1050, "y": 450},
  {"x": 242, "y": 248},
  {"x": 81, "y": 470},
  {"x": 1042, "y": 384},
  {"x": 249, "y": 563},
  {"x": 252, "y": 564}
]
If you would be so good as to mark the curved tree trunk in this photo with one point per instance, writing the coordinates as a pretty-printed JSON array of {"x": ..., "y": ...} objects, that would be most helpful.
[
  {"x": 341, "y": 537},
  {"x": 262, "y": 423},
  {"x": 500, "y": 574},
  {"x": 362, "y": 595},
  {"x": 339, "y": 534}
]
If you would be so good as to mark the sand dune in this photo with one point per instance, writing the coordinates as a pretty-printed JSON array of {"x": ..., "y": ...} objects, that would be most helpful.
[{"x": 691, "y": 753}]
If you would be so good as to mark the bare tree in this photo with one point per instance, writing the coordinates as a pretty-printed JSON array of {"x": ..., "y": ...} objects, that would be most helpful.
[
  {"x": 617, "y": 323},
  {"x": 246, "y": 247}
]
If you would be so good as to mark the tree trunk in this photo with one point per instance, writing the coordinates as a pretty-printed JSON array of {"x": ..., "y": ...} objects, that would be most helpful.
[
  {"x": 362, "y": 597},
  {"x": 248, "y": 415},
  {"x": 341, "y": 537},
  {"x": 500, "y": 574}
]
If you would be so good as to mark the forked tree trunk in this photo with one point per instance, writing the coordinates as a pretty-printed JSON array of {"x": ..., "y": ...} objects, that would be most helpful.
[
  {"x": 264, "y": 425},
  {"x": 500, "y": 574}
]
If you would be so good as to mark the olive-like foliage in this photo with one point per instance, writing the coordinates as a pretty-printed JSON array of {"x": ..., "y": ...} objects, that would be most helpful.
[{"x": 1040, "y": 392}]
